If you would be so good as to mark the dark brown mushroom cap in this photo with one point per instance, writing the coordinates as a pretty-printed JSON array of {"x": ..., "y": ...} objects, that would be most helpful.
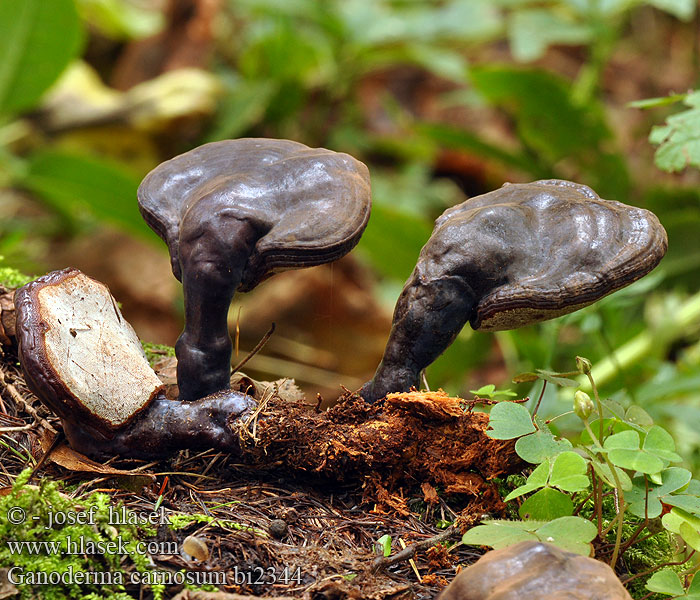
[
  {"x": 309, "y": 205},
  {"x": 79, "y": 355},
  {"x": 535, "y": 251}
]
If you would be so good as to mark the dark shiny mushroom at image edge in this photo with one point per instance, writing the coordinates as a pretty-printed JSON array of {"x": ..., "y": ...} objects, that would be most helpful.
[
  {"x": 233, "y": 213},
  {"x": 84, "y": 362},
  {"x": 512, "y": 257}
]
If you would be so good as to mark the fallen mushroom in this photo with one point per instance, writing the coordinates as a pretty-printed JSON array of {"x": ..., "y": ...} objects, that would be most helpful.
[
  {"x": 234, "y": 212},
  {"x": 84, "y": 361},
  {"x": 515, "y": 256}
]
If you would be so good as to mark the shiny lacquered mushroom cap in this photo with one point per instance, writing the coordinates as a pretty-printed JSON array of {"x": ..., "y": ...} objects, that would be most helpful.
[
  {"x": 512, "y": 257},
  {"x": 308, "y": 206},
  {"x": 234, "y": 212}
]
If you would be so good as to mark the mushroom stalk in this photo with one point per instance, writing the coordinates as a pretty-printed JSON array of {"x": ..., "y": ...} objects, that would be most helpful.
[{"x": 515, "y": 256}]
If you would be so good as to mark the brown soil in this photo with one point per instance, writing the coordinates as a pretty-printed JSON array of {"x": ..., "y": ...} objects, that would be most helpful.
[{"x": 311, "y": 493}]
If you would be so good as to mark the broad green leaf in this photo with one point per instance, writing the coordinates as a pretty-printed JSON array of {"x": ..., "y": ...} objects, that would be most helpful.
[
  {"x": 547, "y": 504},
  {"x": 496, "y": 535},
  {"x": 624, "y": 451},
  {"x": 659, "y": 442},
  {"x": 690, "y": 535},
  {"x": 569, "y": 472},
  {"x": 666, "y": 582},
  {"x": 538, "y": 446},
  {"x": 537, "y": 479},
  {"x": 687, "y": 502},
  {"x": 637, "y": 415},
  {"x": 38, "y": 40},
  {"x": 604, "y": 472},
  {"x": 71, "y": 183},
  {"x": 509, "y": 420},
  {"x": 673, "y": 519},
  {"x": 532, "y": 31},
  {"x": 646, "y": 497},
  {"x": 571, "y": 533}
]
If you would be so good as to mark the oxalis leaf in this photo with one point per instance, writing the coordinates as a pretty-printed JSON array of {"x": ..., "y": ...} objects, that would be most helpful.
[
  {"x": 540, "y": 445},
  {"x": 508, "y": 421},
  {"x": 665, "y": 582},
  {"x": 645, "y": 498},
  {"x": 547, "y": 504},
  {"x": 570, "y": 533},
  {"x": 624, "y": 450}
]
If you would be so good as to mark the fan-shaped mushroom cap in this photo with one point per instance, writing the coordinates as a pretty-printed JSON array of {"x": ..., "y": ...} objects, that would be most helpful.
[
  {"x": 539, "y": 250},
  {"x": 512, "y": 257},
  {"x": 308, "y": 205}
]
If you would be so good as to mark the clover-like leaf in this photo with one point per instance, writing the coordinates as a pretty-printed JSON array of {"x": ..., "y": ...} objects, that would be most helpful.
[
  {"x": 624, "y": 451},
  {"x": 679, "y": 138},
  {"x": 690, "y": 535},
  {"x": 660, "y": 443},
  {"x": 542, "y": 444},
  {"x": 569, "y": 472},
  {"x": 547, "y": 504},
  {"x": 603, "y": 471},
  {"x": 666, "y": 582},
  {"x": 571, "y": 533},
  {"x": 508, "y": 421},
  {"x": 497, "y": 534},
  {"x": 537, "y": 479},
  {"x": 646, "y": 499}
]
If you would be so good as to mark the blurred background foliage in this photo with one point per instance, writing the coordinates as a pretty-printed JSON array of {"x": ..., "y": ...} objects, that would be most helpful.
[{"x": 442, "y": 99}]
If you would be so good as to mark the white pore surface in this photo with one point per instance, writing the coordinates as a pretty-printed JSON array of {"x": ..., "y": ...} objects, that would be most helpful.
[{"x": 94, "y": 350}]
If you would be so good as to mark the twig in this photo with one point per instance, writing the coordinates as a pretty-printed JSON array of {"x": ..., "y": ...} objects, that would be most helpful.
[
  {"x": 257, "y": 348},
  {"x": 17, "y": 397},
  {"x": 58, "y": 438},
  {"x": 383, "y": 562}
]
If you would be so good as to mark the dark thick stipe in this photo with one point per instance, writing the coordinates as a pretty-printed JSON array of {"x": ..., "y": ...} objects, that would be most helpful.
[{"x": 166, "y": 426}]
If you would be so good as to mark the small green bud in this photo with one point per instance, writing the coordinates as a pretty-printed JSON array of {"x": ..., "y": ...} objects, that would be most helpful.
[
  {"x": 583, "y": 405},
  {"x": 584, "y": 365}
]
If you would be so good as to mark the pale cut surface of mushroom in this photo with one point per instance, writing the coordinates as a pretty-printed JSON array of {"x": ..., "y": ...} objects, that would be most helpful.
[
  {"x": 518, "y": 255},
  {"x": 90, "y": 348}
]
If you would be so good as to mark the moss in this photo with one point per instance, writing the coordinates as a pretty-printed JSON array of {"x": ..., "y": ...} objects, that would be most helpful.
[
  {"x": 11, "y": 278},
  {"x": 48, "y": 537},
  {"x": 154, "y": 352}
]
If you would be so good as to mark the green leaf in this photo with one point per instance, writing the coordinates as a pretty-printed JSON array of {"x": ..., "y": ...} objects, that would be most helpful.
[
  {"x": 648, "y": 497},
  {"x": 537, "y": 479},
  {"x": 557, "y": 379},
  {"x": 526, "y": 377},
  {"x": 484, "y": 390},
  {"x": 666, "y": 582},
  {"x": 38, "y": 40},
  {"x": 659, "y": 442},
  {"x": 655, "y": 102},
  {"x": 623, "y": 451},
  {"x": 542, "y": 444},
  {"x": 384, "y": 544},
  {"x": 508, "y": 421},
  {"x": 603, "y": 471},
  {"x": 571, "y": 533},
  {"x": 636, "y": 415},
  {"x": 497, "y": 535},
  {"x": 673, "y": 520},
  {"x": 569, "y": 472},
  {"x": 70, "y": 183},
  {"x": 547, "y": 504},
  {"x": 690, "y": 535}
]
